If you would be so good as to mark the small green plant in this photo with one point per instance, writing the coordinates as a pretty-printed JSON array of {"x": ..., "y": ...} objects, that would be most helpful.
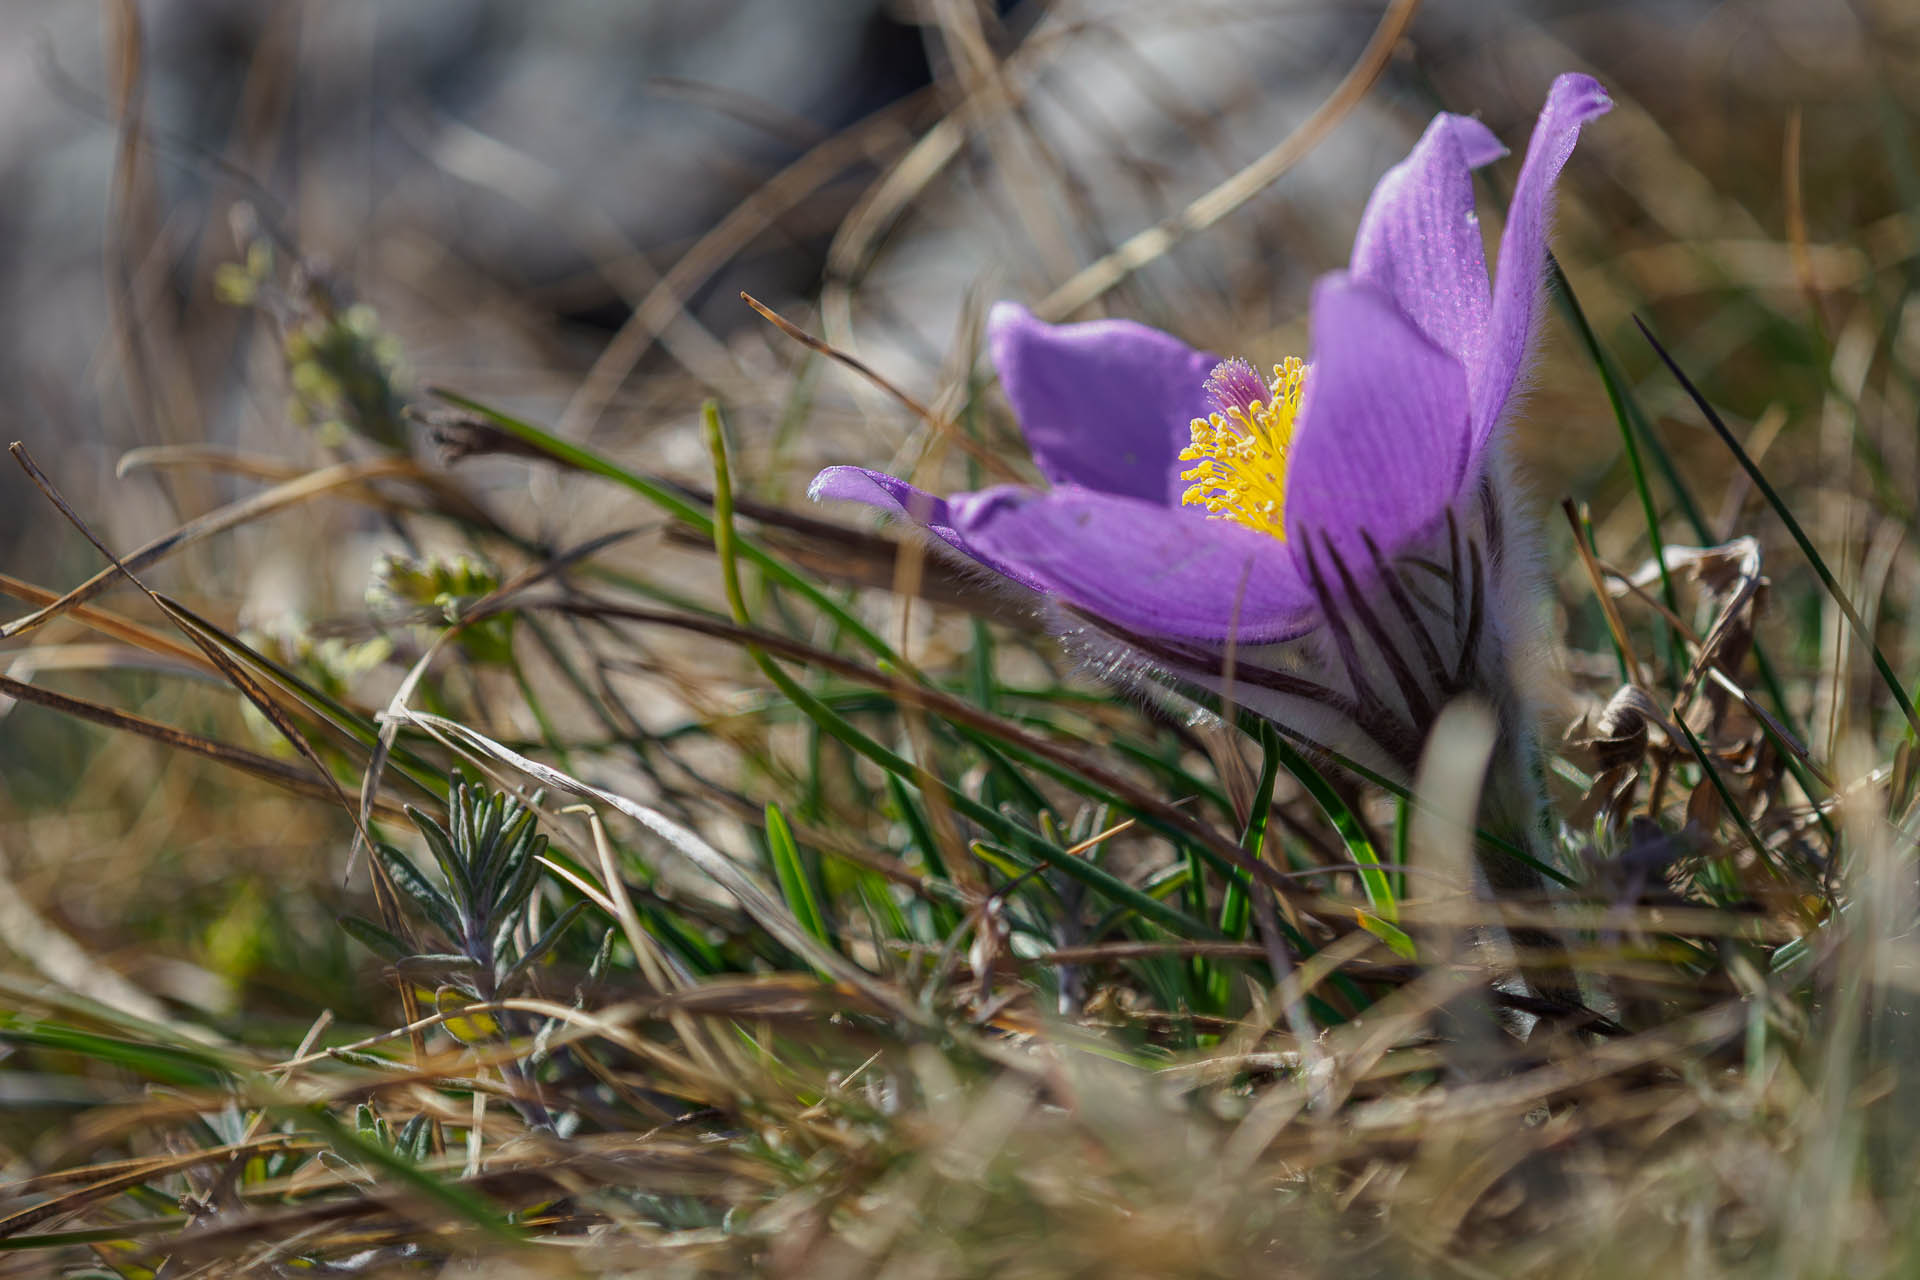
[
  {"x": 344, "y": 370},
  {"x": 439, "y": 589},
  {"x": 477, "y": 944}
]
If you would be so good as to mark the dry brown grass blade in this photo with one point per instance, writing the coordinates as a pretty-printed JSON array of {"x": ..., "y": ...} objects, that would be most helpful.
[
  {"x": 27, "y": 663},
  {"x": 276, "y": 499},
  {"x": 144, "y": 1166},
  {"x": 448, "y": 499},
  {"x": 1601, "y": 595},
  {"x": 116, "y": 1176},
  {"x": 655, "y": 963},
  {"x": 386, "y": 895},
  {"x": 167, "y": 457},
  {"x": 943, "y": 428},
  {"x": 1103, "y": 952},
  {"x": 1673, "y": 1042},
  {"x": 278, "y": 772},
  {"x": 882, "y": 132},
  {"x": 659, "y": 1167},
  {"x": 1144, "y": 247},
  {"x": 1796, "y": 215},
  {"x": 852, "y": 362},
  {"x": 108, "y": 624},
  {"x": 612, "y": 1023}
]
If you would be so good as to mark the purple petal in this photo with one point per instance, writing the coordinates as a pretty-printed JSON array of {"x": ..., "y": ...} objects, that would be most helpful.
[
  {"x": 1419, "y": 240},
  {"x": 1158, "y": 570},
  {"x": 1382, "y": 440},
  {"x": 897, "y": 497},
  {"x": 1105, "y": 404},
  {"x": 1573, "y": 100}
]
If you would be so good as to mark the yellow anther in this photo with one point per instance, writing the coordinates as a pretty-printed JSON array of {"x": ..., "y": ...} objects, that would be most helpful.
[{"x": 1240, "y": 454}]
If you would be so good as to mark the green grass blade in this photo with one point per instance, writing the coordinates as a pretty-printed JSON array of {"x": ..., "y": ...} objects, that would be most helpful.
[
  {"x": 796, "y": 886},
  {"x": 1373, "y": 878},
  {"x": 1094, "y": 877},
  {"x": 676, "y": 505},
  {"x": 1620, "y": 402},
  {"x": 455, "y": 1199},
  {"x": 1800, "y": 538},
  {"x": 167, "y": 1063}
]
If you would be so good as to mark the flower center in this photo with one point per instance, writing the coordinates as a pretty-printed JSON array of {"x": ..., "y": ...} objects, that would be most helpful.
[{"x": 1240, "y": 452}]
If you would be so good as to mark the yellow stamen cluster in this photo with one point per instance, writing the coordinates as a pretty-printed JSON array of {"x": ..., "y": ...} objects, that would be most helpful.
[{"x": 1240, "y": 455}]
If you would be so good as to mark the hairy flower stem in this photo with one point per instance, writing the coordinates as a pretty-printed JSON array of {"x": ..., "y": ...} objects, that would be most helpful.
[{"x": 1514, "y": 808}]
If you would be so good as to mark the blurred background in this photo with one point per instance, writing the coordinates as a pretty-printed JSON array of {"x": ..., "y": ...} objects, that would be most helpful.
[{"x": 554, "y": 207}]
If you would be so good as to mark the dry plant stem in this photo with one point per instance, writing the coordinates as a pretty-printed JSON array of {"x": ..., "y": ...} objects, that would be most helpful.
[
  {"x": 300, "y": 489},
  {"x": 1601, "y": 596},
  {"x": 300, "y": 782},
  {"x": 386, "y": 894},
  {"x": 944, "y": 428},
  {"x": 108, "y": 624},
  {"x": 666, "y": 301},
  {"x": 1094, "y": 280},
  {"x": 655, "y": 964}
]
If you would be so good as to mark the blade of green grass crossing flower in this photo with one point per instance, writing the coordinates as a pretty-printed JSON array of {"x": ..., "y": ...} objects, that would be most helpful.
[
  {"x": 1628, "y": 413},
  {"x": 1183, "y": 782},
  {"x": 1250, "y": 724},
  {"x": 1402, "y": 828},
  {"x": 943, "y": 916},
  {"x": 1234, "y": 903},
  {"x": 813, "y": 787},
  {"x": 1799, "y": 535},
  {"x": 884, "y": 915},
  {"x": 1094, "y": 877},
  {"x": 1195, "y": 889},
  {"x": 1000, "y": 768},
  {"x": 1067, "y": 777},
  {"x": 981, "y": 680},
  {"x": 919, "y": 830}
]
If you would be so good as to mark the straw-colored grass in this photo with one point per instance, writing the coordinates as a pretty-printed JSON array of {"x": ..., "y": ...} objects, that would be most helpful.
[{"x": 851, "y": 930}]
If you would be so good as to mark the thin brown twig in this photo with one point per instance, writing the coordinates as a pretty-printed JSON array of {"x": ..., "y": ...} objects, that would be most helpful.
[
  {"x": 972, "y": 448},
  {"x": 1145, "y": 246},
  {"x": 266, "y": 768}
]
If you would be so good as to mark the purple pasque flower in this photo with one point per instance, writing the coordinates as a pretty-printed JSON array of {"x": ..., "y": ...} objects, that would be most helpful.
[{"x": 1328, "y": 541}]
